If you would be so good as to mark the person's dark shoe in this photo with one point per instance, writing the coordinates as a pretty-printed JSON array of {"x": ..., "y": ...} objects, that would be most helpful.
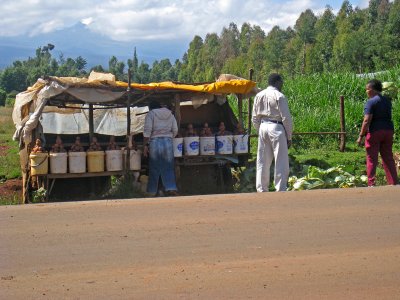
[
  {"x": 150, "y": 195},
  {"x": 160, "y": 194},
  {"x": 172, "y": 193}
]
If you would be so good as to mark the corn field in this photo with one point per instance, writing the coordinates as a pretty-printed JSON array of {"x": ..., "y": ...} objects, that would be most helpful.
[{"x": 314, "y": 100}]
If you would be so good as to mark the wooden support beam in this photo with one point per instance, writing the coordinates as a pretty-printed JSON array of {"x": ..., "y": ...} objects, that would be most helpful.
[
  {"x": 91, "y": 123},
  {"x": 178, "y": 110},
  {"x": 249, "y": 109},
  {"x": 128, "y": 125},
  {"x": 240, "y": 107},
  {"x": 342, "y": 126}
]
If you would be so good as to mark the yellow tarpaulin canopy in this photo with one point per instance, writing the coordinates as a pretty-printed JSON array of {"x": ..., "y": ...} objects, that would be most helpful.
[
  {"x": 234, "y": 86},
  {"x": 100, "y": 89}
]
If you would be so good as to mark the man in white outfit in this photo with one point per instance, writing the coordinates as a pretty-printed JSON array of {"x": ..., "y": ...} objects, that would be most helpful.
[{"x": 271, "y": 117}]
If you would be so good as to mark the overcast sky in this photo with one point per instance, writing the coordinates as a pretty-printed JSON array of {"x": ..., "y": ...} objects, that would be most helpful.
[{"x": 133, "y": 20}]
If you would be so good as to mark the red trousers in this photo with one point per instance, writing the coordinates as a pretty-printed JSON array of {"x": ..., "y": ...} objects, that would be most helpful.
[{"x": 380, "y": 141}]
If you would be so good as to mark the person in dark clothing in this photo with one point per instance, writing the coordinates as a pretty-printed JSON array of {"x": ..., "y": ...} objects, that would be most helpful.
[{"x": 378, "y": 130}]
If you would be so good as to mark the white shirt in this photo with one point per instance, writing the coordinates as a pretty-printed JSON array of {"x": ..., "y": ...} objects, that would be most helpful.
[{"x": 272, "y": 104}]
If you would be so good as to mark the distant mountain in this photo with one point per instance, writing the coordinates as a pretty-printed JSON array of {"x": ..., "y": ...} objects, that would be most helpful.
[{"x": 95, "y": 48}]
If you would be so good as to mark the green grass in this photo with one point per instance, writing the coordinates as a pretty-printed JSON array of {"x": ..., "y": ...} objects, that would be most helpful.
[
  {"x": 10, "y": 200},
  {"x": 9, "y": 163},
  {"x": 314, "y": 100},
  {"x": 353, "y": 158},
  {"x": 9, "y": 158}
]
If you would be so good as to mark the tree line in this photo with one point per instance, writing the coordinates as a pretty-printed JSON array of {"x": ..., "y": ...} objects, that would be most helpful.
[{"x": 353, "y": 40}]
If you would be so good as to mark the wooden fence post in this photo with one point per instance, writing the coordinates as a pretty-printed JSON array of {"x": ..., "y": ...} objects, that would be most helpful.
[
  {"x": 249, "y": 109},
  {"x": 129, "y": 138},
  {"x": 342, "y": 126}
]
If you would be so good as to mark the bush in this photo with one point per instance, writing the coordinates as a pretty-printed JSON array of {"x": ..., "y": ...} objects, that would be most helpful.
[
  {"x": 3, "y": 97},
  {"x": 10, "y": 101}
]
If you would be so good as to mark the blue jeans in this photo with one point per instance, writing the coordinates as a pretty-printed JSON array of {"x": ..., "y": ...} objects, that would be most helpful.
[{"x": 161, "y": 164}]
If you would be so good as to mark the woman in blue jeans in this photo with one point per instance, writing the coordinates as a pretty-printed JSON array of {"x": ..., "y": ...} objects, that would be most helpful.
[{"x": 160, "y": 128}]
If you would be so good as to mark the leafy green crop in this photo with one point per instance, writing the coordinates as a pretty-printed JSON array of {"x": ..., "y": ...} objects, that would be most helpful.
[{"x": 317, "y": 178}]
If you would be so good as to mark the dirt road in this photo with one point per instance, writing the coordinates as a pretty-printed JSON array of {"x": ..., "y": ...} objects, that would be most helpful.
[{"x": 327, "y": 244}]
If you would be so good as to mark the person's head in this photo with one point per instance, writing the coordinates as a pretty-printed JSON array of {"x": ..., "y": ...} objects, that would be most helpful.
[
  {"x": 167, "y": 105},
  {"x": 154, "y": 105},
  {"x": 373, "y": 87},
  {"x": 221, "y": 126},
  {"x": 275, "y": 80}
]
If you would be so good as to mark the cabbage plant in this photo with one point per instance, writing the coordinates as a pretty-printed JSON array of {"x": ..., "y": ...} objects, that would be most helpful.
[{"x": 318, "y": 178}]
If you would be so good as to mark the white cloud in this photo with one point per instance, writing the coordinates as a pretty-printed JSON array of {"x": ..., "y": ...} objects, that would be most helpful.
[
  {"x": 364, "y": 3},
  {"x": 87, "y": 21},
  {"x": 133, "y": 20}
]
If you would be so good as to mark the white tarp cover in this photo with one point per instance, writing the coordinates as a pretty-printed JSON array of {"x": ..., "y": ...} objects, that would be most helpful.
[
  {"x": 106, "y": 121},
  {"x": 38, "y": 96},
  {"x": 95, "y": 95}
]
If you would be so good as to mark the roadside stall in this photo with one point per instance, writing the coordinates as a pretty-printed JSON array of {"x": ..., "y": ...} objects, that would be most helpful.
[{"x": 89, "y": 129}]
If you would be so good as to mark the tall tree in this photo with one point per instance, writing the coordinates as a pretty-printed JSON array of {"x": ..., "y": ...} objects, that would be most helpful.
[
  {"x": 229, "y": 44},
  {"x": 291, "y": 53},
  {"x": 393, "y": 28},
  {"x": 208, "y": 70},
  {"x": 322, "y": 52},
  {"x": 341, "y": 61},
  {"x": 14, "y": 78},
  {"x": 143, "y": 73},
  {"x": 256, "y": 57},
  {"x": 245, "y": 37},
  {"x": 191, "y": 62},
  {"x": 80, "y": 63},
  {"x": 275, "y": 43},
  {"x": 116, "y": 67},
  {"x": 98, "y": 68},
  {"x": 305, "y": 31},
  {"x": 378, "y": 39},
  {"x": 162, "y": 71},
  {"x": 133, "y": 65}
]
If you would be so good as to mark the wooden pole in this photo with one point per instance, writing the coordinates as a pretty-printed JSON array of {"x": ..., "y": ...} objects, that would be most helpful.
[
  {"x": 91, "y": 134},
  {"x": 178, "y": 110},
  {"x": 128, "y": 107},
  {"x": 91, "y": 123},
  {"x": 178, "y": 119},
  {"x": 342, "y": 126},
  {"x": 249, "y": 108},
  {"x": 240, "y": 107},
  {"x": 128, "y": 124}
]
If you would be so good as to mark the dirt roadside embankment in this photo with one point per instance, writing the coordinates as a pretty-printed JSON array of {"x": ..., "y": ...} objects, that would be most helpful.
[{"x": 329, "y": 244}]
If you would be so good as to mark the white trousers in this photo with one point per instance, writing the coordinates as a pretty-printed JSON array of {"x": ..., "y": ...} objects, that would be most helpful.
[{"x": 272, "y": 145}]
